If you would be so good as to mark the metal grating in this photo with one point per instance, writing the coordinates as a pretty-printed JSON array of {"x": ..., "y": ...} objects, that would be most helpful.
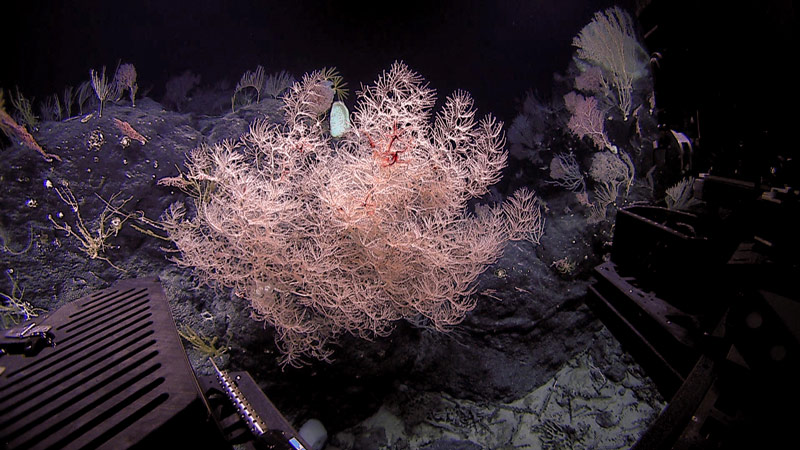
[{"x": 117, "y": 374}]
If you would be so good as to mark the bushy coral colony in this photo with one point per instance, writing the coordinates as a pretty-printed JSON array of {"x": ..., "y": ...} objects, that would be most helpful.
[{"x": 325, "y": 237}]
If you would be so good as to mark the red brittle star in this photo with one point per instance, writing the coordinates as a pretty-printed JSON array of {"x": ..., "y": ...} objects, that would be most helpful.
[{"x": 389, "y": 156}]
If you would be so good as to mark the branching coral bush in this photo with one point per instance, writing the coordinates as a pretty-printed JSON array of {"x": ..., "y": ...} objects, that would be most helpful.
[
  {"x": 587, "y": 120},
  {"x": 609, "y": 43},
  {"x": 125, "y": 80},
  {"x": 610, "y": 171},
  {"x": 566, "y": 172},
  {"x": 326, "y": 238},
  {"x": 527, "y": 134},
  {"x": 93, "y": 236},
  {"x": 681, "y": 196}
]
